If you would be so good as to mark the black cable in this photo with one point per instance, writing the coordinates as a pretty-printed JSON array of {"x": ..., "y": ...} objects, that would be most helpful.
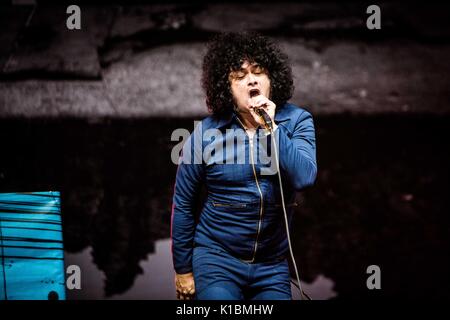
[{"x": 277, "y": 163}]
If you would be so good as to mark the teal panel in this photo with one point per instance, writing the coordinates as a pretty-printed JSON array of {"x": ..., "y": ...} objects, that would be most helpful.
[{"x": 31, "y": 246}]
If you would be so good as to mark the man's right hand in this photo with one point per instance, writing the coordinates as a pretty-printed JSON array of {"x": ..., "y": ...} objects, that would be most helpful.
[{"x": 185, "y": 286}]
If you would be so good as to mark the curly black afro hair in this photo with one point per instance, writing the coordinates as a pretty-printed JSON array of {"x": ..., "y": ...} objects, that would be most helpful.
[{"x": 226, "y": 52}]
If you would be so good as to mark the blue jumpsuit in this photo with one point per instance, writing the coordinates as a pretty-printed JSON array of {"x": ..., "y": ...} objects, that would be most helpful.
[{"x": 238, "y": 249}]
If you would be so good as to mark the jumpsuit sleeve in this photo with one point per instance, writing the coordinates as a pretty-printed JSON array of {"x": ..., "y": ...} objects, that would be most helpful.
[
  {"x": 189, "y": 177},
  {"x": 297, "y": 154}
]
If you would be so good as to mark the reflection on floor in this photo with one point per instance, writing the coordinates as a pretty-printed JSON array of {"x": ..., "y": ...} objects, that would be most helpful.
[
  {"x": 320, "y": 289},
  {"x": 156, "y": 283}
]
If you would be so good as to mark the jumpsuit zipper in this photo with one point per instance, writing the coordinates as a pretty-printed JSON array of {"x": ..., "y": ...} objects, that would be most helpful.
[
  {"x": 261, "y": 203},
  {"x": 261, "y": 198}
]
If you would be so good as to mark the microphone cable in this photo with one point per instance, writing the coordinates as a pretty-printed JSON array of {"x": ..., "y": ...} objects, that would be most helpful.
[{"x": 269, "y": 126}]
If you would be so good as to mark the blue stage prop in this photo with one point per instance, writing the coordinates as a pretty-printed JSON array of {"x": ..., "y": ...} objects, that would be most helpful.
[{"x": 31, "y": 246}]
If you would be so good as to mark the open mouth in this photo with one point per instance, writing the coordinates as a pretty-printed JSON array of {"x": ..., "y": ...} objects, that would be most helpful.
[{"x": 254, "y": 93}]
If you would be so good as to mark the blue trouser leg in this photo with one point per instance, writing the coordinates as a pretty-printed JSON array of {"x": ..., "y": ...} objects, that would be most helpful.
[
  {"x": 220, "y": 291},
  {"x": 270, "y": 281},
  {"x": 219, "y": 276}
]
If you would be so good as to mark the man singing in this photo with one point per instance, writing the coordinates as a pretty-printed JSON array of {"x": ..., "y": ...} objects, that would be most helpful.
[{"x": 238, "y": 248}]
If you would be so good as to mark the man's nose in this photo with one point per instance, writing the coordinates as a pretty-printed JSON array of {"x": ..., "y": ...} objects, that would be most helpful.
[{"x": 252, "y": 80}]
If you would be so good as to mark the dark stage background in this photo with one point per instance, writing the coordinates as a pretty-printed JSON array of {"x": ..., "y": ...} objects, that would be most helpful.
[{"x": 90, "y": 113}]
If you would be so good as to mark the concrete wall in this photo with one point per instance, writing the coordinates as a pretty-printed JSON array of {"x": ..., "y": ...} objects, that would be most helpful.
[{"x": 145, "y": 61}]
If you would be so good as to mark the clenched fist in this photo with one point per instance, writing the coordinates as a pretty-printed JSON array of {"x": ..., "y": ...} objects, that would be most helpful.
[{"x": 185, "y": 286}]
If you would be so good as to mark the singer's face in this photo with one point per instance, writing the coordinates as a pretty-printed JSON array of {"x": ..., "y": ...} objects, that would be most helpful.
[{"x": 250, "y": 80}]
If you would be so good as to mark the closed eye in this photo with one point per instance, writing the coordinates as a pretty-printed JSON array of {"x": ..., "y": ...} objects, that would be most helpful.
[
  {"x": 258, "y": 69},
  {"x": 237, "y": 75}
]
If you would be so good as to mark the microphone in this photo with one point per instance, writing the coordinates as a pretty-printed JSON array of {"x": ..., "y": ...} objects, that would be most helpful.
[{"x": 263, "y": 114}]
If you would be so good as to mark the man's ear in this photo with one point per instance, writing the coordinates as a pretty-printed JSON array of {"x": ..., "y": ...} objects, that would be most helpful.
[{"x": 235, "y": 108}]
